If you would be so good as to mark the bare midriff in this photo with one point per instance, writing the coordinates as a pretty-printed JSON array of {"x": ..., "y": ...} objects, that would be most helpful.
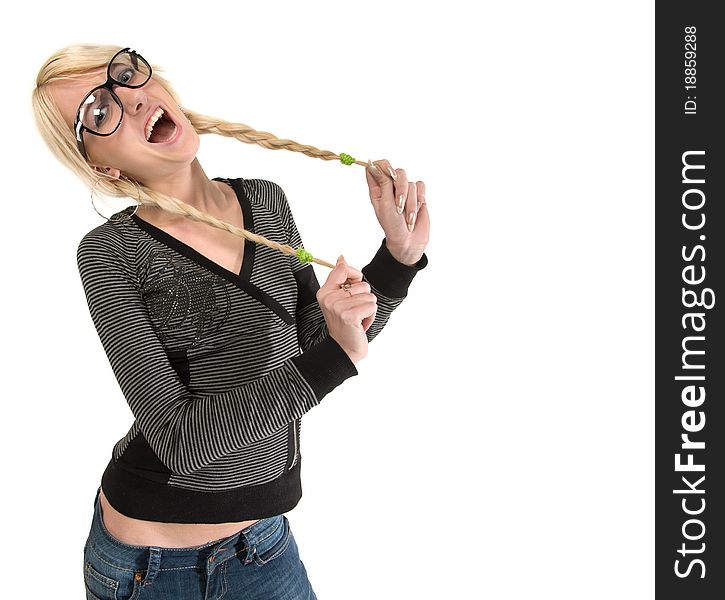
[{"x": 137, "y": 532}]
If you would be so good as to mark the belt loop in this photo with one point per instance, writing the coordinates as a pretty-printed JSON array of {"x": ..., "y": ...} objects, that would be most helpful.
[
  {"x": 154, "y": 565},
  {"x": 250, "y": 543}
]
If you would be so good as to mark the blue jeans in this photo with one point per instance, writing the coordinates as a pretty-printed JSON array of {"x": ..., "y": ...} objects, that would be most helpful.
[{"x": 260, "y": 562}]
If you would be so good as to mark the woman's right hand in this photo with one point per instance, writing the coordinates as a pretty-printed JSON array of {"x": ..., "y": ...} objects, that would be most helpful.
[{"x": 348, "y": 315}]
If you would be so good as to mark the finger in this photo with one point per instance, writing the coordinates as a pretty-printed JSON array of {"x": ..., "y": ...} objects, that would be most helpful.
[
  {"x": 411, "y": 206},
  {"x": 375, "y": 192},
  {"x": 341, "y": 273},
  {"x": 349, "y": 301},
  {"x": 420, "y": 187},
  {"x": 360, "y": 287},
  {"x": 356, "y": 308},
  {"x": 399, "y": 180},
  {"x": 377, "y": 177},
  {"x": 373, "y": 175},
  {"x": 367, "y": 321},
  {"x": 386, "y": 176},
  {"x": 422, "y": 221},
  {"x": 401, "y": 191}
]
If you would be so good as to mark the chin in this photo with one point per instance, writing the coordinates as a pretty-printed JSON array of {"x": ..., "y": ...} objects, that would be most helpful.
[{"x": 189, "y": 143}]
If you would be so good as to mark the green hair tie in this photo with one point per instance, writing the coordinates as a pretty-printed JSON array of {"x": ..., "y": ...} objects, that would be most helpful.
[
  {"x": 346, "y": 159},
  {"x": 303, "y": 255}
]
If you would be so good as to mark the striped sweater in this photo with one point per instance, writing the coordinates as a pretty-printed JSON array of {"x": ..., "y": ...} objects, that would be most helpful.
[{"x": 217, "y": 367}]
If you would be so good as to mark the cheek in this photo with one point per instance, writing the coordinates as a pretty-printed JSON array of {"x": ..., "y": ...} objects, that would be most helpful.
[
  {"x": 112, "y": 149},
  {"x": 96, "y": 148},
  {"x": 191, "y": 135}
]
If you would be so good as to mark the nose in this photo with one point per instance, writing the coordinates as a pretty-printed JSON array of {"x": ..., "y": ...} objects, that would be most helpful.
[{"x": 134, "y": 99}]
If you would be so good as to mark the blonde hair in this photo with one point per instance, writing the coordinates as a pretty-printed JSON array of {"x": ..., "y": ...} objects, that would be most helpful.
[{"x": 75, "y": 61}]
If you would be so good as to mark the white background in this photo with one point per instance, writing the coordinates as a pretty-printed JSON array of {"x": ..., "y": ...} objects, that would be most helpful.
[{"x": 498, "y": 441}]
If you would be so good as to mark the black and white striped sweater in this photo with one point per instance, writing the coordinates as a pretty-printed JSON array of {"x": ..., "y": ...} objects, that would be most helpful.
[{"x": 217, "y": 367}]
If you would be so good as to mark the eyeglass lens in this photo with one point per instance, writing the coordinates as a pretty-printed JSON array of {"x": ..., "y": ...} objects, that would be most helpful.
[{"x": 100, "y": 111}]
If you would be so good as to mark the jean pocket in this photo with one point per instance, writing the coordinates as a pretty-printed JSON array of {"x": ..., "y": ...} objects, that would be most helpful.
[
  {"x": 274, "y": 541},
  {"x": 105, "y": 582}
]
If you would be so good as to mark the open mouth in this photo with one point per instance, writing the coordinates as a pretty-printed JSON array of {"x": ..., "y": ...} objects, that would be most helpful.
[{"x": 160, "y": 128}]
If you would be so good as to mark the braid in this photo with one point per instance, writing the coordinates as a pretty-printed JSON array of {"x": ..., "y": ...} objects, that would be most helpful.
[
  {"x": 177, "y": 207},
  {"x": 244, "y": 133},
  {"x": 204, "y": 124}
]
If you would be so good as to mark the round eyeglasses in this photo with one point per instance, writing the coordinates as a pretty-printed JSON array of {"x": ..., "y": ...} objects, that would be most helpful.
[{"x": 101, "y": 111}]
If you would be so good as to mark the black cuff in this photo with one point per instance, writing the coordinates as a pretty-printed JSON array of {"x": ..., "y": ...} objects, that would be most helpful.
[
  {"x": 389, "y": 276},
  {"x": 325, "y": 366}
]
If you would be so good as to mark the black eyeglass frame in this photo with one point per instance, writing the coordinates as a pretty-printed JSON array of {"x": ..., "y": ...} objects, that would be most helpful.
[{"x": 78, "y": 126}]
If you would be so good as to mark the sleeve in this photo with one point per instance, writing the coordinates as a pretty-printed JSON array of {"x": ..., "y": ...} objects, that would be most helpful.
[
  {"x": 188, "y": 431},
  {"x": 389, "y": 280}
]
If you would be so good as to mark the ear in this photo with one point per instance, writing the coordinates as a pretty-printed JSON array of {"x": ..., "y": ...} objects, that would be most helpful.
[{"x": 107, "y": 171}]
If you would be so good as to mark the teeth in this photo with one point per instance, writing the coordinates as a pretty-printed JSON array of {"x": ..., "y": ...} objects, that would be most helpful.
[{"x": 152, "y": 121}]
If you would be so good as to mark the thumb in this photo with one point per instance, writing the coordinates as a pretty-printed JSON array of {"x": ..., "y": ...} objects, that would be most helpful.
[
  {"x": 376, "y": 181},
  {"x": 343, "y": 272}
]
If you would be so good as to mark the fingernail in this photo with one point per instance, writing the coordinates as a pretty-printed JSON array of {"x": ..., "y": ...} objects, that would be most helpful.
[
  {"x": 411, "y": 221},
  {"x": 393, "y": 174},
  {"x": 341, "y": 257},
  {"x": 373, "y": 168},
  {"x": 401, "y": 204}
]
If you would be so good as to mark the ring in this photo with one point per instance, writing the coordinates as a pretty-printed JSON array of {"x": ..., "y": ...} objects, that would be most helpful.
[{"x": 346, "y": 287}]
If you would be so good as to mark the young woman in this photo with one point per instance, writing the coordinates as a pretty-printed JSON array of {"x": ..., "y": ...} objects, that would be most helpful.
[{"x": 219, "y": 334}]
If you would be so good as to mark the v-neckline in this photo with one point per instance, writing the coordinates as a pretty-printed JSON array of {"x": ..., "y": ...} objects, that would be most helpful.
[{"x": 245, "y": 273}]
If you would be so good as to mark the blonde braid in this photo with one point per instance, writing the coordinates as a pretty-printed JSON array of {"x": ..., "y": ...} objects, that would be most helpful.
[
  {"x": 244, "y": 133},
  {"x": 177, "y": 207}
]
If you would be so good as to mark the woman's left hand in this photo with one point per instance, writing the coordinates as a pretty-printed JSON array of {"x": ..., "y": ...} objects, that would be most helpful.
[{"x": 406, "y": 231}]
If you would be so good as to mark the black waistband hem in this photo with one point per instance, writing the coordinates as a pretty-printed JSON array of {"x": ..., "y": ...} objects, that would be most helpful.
[{"x": 140, "y": 498}]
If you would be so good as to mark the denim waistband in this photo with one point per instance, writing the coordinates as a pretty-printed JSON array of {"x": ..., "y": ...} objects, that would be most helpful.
[{"x": 153, "y": 559}]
